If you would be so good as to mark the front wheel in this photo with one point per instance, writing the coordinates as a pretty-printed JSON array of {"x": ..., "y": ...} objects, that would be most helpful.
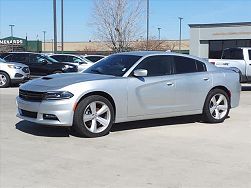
[
  {"x": 93, "y": 116},
  {"x": 4, "y": 80},
  {"x": 216, "y": 107}
]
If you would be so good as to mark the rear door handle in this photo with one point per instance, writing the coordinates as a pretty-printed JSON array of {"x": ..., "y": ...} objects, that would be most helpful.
[
  {"x": 170, "y": 84},
  {"x": 206, "y": 79}
]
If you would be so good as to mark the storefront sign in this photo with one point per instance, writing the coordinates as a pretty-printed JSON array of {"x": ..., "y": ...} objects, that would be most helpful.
[{"x": 15, "y": 42}]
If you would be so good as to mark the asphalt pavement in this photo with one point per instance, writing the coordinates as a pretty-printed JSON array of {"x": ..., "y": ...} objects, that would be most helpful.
[{"x": 172, "y": 152}]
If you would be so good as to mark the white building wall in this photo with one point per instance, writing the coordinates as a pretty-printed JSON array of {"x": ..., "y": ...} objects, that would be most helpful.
[{"x": 200, "y": 35}]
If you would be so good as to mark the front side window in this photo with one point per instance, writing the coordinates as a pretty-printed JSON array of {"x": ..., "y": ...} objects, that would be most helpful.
[
  {"x": 116, "y": 65},
  {"x": 156, "y": 65},
  {"x": 59, "y": 58},
  {"x": 249, "y": 54}
]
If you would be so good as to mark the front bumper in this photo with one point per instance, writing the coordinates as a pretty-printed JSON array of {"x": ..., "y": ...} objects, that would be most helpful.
[
  {"x": 62, "y": 109},
  {"x": 18, "y": 75}
]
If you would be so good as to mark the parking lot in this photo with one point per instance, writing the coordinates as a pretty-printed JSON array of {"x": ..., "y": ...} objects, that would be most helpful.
[{"x": 172, "y": 152}]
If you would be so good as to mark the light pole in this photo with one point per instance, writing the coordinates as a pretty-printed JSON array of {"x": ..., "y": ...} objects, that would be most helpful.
[
  {"x": 180, "y": 18},
  {"x": 62, "y": 26},
  {"x": 44, "y": 39},
  {"x": 159, "y": 28},
  {"x": 11, "y": 33},
  {"x": 55, "y": 24},
  {"x": 147, "y": 24}
]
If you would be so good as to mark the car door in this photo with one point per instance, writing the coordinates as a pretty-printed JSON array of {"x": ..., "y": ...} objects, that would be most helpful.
[
  {"x": 155, "y": 93},
  {"x": 193, "y": 83},
  {"x": 38, "y": 67}
]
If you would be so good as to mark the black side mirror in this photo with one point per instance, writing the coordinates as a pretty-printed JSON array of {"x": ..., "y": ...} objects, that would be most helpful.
[{"x": 44, "y": 62}]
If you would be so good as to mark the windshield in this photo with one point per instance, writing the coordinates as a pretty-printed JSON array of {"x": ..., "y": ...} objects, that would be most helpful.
[
  {"x": 2, "y": 60},
  {"x": 49, "y": 59},
  {"x": 115, "y": 65}
]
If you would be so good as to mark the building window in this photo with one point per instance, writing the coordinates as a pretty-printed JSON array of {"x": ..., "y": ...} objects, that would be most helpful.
[{"x": 217, "y": 46}]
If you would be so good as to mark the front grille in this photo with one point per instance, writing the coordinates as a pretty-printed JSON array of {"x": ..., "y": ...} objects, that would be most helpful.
[
  {"x": 28, "y": 113},
  {"x": 31, "y": 95},
  {"x": 26, "y": 70}
]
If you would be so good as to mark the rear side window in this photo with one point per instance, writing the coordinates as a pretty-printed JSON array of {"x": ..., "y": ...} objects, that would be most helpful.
[
  {"x": 249, "y": 54},
  {"x": 8, "y": 57},
  {"x": 156, "y": 65},
  {"x": 233, "y": 54},
  {"x": 187, "y": 65},
  {"x": 184, "y": 65},
  {"x": 20, "y": 58}
]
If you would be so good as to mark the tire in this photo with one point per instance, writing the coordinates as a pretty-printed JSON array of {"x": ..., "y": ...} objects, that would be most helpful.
[
  {"x": 90, "y": 120},
  {"x": 4, "y": 80},
  {"x": 216, "y": 107}
]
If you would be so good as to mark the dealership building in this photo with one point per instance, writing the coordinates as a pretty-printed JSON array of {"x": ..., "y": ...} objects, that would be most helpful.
[
  {"x": 19, "y": 44},
  {"x": 208, "y": 40}
]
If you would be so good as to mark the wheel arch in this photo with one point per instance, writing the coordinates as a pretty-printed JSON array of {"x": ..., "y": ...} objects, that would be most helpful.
[
  {"x": 224, "y": 89},
  {"x": 100, "y": 93},
  {"x": 228, "y": 92},
  {"x": 5, "y": 72}
]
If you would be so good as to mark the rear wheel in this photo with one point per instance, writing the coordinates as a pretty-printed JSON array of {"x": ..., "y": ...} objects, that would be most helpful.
[
  {"x": 93, "y": 117},
  {"x": 4, "y": 80},
  {"x": 216, "y": 107}
]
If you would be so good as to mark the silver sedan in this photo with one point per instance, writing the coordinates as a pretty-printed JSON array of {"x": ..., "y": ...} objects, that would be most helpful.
[{"x": 127, "y": 87}]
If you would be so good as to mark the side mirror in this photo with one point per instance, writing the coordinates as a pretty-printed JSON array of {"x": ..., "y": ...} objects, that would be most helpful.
[
  {"x": 44, "y": 62},
  {"x": 140, "y": 72}
]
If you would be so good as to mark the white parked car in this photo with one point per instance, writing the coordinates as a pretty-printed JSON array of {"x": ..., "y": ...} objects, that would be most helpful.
[
  {"x": 127, "y": 87},
  {"x": 239, "y": 58},
  {"x": 12, "y": 73},
  {"x": 93, "y": 58}
]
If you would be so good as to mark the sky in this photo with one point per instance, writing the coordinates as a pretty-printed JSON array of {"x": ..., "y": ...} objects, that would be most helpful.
[{"x": 31, "y": 17}]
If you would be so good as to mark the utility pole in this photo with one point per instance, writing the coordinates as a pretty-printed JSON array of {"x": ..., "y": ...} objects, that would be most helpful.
[
  {"x": 159, "y": 28},
  {"x": 55, "y": 24},
  {"x": 44, "y": 39},
  {"x": 147, "y": 24},
  {"x": 11, "y": 33},
  {"x": 62, "y": 26},
  {"x": 180, "y": 18}
]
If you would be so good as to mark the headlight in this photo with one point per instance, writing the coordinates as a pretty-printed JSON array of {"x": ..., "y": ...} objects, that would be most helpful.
[
  {"x": 14, "y": 67},
  {"x": 67, "y": 67},
  {"x": 55, "y": 95}
]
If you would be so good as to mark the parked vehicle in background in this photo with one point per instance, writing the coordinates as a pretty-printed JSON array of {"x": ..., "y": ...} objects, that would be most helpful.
[
  {"x": 40, "y": 64},
  {"x": 93, "y": 58},
  {"x": 239, "y": 58},
  {"x": 81, "y": 62},
  {"x": 12, "y": 73},
  {"x": 127, "y": 87}
]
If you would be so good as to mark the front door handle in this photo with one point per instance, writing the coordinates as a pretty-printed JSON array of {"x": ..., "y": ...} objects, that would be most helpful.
[
  {"x": 170, "y": 84},
  {"x": 206, "y": 79}
]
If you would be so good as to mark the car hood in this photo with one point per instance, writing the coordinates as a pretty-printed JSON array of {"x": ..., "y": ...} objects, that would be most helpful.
[
  {"x": 17, "y": 64},
  {"x": 58, "y": 81}
]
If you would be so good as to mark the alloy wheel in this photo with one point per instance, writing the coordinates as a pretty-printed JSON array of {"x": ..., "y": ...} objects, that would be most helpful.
[
  {"x": 3, "y": 79},
  {"x": 96, "y": 117},
  {"x": 218, "y": 106}
]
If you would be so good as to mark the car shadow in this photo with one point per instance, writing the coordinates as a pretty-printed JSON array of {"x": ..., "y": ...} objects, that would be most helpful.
[
  {"x": 246, "y": 88},
  {"x": 56, "y": 131},
  {"x": 155, "y": 123},
  {"x": 42, "y": 130}
]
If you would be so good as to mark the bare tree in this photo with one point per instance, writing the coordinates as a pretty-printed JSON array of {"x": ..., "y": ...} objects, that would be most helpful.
[
  {"x": 154, "y": 44},
  {"x": 117, "y": 22}
]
